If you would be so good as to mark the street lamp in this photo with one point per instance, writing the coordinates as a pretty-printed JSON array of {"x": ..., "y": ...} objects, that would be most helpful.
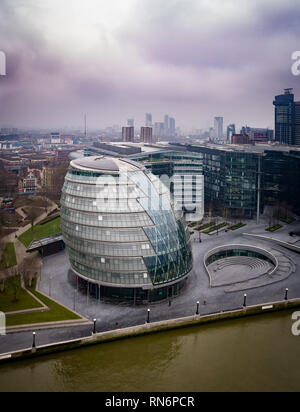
[
  {"x": 286, "y": 294},
  {"x": 197, "y": 312}
]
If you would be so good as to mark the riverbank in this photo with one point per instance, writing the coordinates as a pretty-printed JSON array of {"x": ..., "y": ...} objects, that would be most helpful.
[{"x": 148, "y": 328}]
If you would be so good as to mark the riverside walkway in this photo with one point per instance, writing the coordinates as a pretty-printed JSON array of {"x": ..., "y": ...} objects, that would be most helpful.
[{"x": 111, "y": 316}]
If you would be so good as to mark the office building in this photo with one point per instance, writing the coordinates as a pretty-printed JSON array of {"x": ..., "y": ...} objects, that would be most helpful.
[
  {"x": 258, "y": 135},
  {"x": 123, "y": 235},
  {"x": 166, "y": 125},
  {"x": 172, "y": 127},
  {"x": 130, "y": 122},
  {"x": 159, "y": 129},
  {"x": 181, "y": 171},
  {"x": 297, "y": 123},
  {"x": 230, "y": 132},
  {"x": 128, "y": 134},
  {"x": 146, "y": 134},
  {"x": 55, "y": 138},
  {"x": 285, "y": 118},
  {"x": 240, "y": 139},
  {"x": 239, "y": 181},
  {"x": 218, "y": 128},
  {"x": 148, "y": 121}
]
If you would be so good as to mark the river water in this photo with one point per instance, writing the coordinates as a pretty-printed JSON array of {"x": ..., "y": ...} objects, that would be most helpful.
[{"x": 251, "y": 354}]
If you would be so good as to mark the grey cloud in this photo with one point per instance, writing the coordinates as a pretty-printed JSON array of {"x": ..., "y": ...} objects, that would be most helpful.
[{"x": 173, "y": 58}]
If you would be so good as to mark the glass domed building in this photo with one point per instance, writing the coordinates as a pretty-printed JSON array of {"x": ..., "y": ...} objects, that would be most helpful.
[{"x": 122, "y": 232}]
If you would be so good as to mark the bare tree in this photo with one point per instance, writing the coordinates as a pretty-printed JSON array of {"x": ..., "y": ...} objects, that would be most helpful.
[
  {"x": 29, "y": 268},
  {"x": 32, "y": 214},
  {"x": 270, "y": 215},
  {"x": 2, "y": 242},
  {"x": 16, "y": 284}
]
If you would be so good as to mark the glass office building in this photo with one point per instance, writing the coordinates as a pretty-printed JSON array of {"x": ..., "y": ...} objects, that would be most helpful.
[
  {"x": 285, "y": 120},
  {"x": 231, "y": 180},
  {"x": 122, "y": 232},
  {"x": 185, "y": 171}
]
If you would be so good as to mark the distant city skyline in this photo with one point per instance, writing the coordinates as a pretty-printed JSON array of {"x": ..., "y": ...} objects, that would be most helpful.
[{"x": 193, "y": 59}]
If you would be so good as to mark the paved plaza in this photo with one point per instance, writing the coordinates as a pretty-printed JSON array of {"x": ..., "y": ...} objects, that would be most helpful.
[{"x": 111, "y": 315}]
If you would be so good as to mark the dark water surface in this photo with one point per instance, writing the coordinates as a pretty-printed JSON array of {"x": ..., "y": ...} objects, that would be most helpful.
[{"x": 253, "y": 354}]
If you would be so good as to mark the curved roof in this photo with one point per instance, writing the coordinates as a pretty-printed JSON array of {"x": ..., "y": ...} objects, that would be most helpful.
[{"x": 105, "y": 164}]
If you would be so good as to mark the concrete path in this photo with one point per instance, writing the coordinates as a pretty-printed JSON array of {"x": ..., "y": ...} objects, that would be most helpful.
[{"x": 23, "y": 340}]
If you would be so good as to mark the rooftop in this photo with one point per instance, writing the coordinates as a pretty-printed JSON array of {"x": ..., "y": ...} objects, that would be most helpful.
[
  {"x": 105, "y": 164},
  {"x": 253, "y": 149}
]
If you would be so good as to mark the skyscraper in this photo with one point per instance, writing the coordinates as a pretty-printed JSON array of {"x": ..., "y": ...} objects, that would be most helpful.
[
  {"x": 148, "y": 120},
  {"x": 297, "y": 123},
  {"x": 159, "y": 129},
  {"x": 130, "y": 122},
  {"x": 218, "y": 128},
  {"x": 285, "y": 118},
  {"x": 128, "y": 134},
  {"x": 172, "y": 126},
  {"x": 230, "y": 132},
  {"x": 146, "y": 134},
  {"x": 166, "y": 125}
]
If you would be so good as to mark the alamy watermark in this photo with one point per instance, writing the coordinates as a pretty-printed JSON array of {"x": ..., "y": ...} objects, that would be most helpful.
[
  {"x": 118, "y": 193},
  {"x": 296, "y": 64},
  {"x": 296, "y": 324},
  {"x": 2, "y": 324},
  {"x": 2, "y": 63}
]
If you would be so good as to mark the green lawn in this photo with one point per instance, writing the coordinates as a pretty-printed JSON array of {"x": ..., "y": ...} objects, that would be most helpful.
[
  {"x": 9, "y": 258},
  {"x": 287, "y": 220},
  {"x": 274, "y": 228},
  {"x": 215, "y": 228},
  {"x": 237, "y": 226},
  {"x": 41, "y": 231},
  {"x": 55, "y": 314},
  {"x": 7, "y": 297},
  {"x": 206, "y": 226}
]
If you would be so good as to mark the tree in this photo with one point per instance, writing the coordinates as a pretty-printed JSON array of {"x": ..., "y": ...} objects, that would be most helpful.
[
  {"x": 32, "y": 214},
  {"x": 29, "y": 268},
  {"x": 55, "y": 181},
  {"x": 269, "y": 214},
  {"x": 2, "y": 242},
  {"x": 16, "y": 285}
]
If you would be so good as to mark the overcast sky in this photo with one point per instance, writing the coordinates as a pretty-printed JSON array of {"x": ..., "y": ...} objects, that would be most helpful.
[{"x": 116, "y": 59}]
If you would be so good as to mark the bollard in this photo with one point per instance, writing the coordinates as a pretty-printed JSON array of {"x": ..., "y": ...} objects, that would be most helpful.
[
  {"x": 33, "y": 341},
  {"x": 245, "y": 300},
  {"x": 286, "y": 294},
  {"x": 148, "y": 318},
  {"x": 197, "y": 312},
  {"x": 95, "y": 323}
]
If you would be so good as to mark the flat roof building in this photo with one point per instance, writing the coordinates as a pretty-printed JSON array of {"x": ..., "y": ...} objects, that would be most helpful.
[
  {"x": 128, "y": 134},
  {"x": 146, "y": 134}
]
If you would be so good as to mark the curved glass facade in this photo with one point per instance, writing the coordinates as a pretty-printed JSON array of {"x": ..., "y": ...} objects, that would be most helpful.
[{"x": 120, "y": 227}]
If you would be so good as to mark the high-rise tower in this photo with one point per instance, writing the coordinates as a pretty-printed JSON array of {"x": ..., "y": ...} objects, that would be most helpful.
[
  {"x": 285, "y": 118},
  {"x": 128, "y": 134},
  {"x": 218, "y": 128},
  {"x": 148, "y": 120}
]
